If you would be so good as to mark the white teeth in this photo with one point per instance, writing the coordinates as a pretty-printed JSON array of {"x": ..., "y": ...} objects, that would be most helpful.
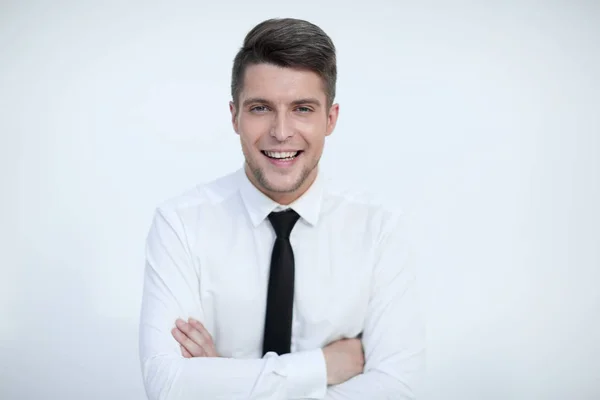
[{"x": 281, "y": 155}]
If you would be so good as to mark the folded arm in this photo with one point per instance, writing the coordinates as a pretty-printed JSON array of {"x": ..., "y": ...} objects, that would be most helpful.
[
  {"x": 171, "y": 291},
  {"x": 394, "y": 334}
]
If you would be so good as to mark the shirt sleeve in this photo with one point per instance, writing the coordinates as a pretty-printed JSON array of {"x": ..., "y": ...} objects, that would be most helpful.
[
  {"x": 171, "y": 291},
  {"x": 394, "y": 332}
]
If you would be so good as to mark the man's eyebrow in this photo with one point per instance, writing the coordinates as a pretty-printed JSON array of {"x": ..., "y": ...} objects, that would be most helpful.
[
  {"x": 255, "y": 100},
  {"x": 308, "y": 100}
]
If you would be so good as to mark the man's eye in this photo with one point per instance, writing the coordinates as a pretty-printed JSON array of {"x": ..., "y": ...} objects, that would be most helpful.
[
  {"x": 304, "y": 109},
  {"x": 259, "y": 109}
]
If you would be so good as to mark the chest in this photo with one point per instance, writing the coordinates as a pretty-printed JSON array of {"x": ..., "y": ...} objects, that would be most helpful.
[{"x": 332, "y": 284}]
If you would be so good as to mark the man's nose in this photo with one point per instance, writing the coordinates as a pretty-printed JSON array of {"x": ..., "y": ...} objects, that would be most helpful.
[{"x": 282, "y": 128}]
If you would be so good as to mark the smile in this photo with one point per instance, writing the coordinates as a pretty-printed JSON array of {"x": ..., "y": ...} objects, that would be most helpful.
[{"x": 282, "y": 155}]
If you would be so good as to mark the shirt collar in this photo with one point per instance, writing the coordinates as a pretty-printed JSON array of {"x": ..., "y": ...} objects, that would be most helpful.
[{"x": 259, "y": 206}]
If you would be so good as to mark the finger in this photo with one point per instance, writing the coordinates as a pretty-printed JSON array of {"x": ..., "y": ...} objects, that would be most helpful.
[
  {"x": 198, "y": 325},
  {"x": 201, "y": 329},
  {"x": 199, "y": 335},
  {"x": 194, "y": 334},
  {"x": 189, "y": 345},
  {"x": 192, "y": 347},
  {"x": 209, "y": 344},
  {"x": 184, "y": 352}
]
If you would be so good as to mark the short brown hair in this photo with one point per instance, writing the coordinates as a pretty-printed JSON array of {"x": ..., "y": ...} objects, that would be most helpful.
[{"x": 287, "y": 42}]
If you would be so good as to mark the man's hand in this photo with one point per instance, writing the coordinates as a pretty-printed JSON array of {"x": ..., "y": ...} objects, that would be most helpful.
[
  {"x": 344, "y": 359},
  {"x": 194, "y": 339}
]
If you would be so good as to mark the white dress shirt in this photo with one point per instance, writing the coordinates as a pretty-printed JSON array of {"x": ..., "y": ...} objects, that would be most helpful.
[{"x": 208, "y": 256}]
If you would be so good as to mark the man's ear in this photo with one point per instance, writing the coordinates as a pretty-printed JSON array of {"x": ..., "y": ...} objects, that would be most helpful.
[
  {"x": 332, "y": 117},
  {"x": 234, "y": 113}
]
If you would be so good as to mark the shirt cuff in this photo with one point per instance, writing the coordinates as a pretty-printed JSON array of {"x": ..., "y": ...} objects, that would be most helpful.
[{"x": 307, "y": 374}]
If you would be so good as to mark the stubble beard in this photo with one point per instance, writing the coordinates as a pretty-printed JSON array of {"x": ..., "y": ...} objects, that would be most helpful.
[{"x": 260, "y": 177}]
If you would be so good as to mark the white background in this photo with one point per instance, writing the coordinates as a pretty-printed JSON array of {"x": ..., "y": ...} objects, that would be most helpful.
[{"x": 481, "y": 120}]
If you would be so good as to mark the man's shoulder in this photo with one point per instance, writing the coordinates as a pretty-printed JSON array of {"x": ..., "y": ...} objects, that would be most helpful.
[
  {"x": 368, "y": 211},
  {"x": 372, "y": 215},
  {"x": 352, "y": 195},
  {"x": 203, "y": 194}
]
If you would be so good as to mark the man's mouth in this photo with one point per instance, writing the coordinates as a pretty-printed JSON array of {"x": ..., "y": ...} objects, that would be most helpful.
[{"x": 282, "y": 155}]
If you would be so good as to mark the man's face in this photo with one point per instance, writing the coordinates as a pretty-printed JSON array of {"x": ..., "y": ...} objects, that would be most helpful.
[{"x": 282, "y": 119}]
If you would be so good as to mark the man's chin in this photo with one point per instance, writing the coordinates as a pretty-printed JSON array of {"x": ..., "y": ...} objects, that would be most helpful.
[
  {"x": 279, "y": 181},
  {"x": 281, "y": 188},
  {"x": 282, "y": 184}
]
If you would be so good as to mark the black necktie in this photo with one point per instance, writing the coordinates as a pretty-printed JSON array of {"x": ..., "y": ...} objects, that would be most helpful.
[{"x": 280, "y": 298}]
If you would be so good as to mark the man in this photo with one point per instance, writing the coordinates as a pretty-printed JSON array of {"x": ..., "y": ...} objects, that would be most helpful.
[{"x": 270, "y": 282}]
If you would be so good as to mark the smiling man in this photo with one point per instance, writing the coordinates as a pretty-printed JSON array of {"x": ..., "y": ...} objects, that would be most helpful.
[
  {"x": 282, "y": 116},
  {"x": 272, "y": 282}
]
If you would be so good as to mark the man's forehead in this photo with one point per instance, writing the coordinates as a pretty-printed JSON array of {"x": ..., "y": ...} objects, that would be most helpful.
[{"x": 266, "y": 80}]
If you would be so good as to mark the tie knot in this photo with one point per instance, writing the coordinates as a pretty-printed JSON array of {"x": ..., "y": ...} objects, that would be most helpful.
[{"x": 283, "y": 222}]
